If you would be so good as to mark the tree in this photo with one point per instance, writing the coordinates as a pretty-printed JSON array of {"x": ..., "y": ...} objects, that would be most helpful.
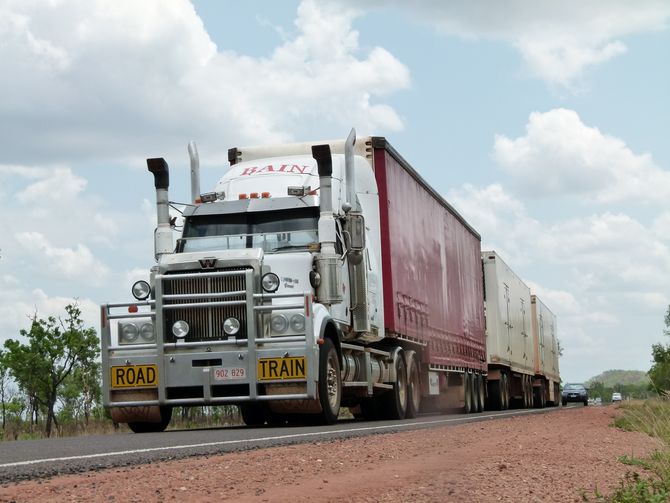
[
  {"x": 3, "y": 389},
  {"x": 660, "y": 370},
  {"x": 55, "y": 349}
]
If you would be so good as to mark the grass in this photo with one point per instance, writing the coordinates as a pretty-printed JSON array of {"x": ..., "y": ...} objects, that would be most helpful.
[{"x": 653, "y": 418}]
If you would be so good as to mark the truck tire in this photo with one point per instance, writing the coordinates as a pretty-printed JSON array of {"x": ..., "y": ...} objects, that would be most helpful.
[
  {"x": 481, "y": 393},
  {"x": 538, "y": 396},
  {"x": 413, "y": 385},
  {"x": 504, "y": 391},
  {"x": 330, "y": 383},
  {"x": 393, "y": 403},
  {"x": 253, "y": 414},
  {"x": 142, "y": 427},
  {"x": 468, "y": 395}
]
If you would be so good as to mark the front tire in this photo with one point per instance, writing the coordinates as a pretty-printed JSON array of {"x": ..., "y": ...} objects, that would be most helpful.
[
  {"x": 142, "y": 427},
  {"x": 330, "y": 382}
]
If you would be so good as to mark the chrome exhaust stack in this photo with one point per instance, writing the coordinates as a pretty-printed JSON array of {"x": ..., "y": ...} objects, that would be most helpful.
[
  {"x": 327, "y": 261},
  {"x": 195, "y": 171},
  {"x": 163, "y": 234}
]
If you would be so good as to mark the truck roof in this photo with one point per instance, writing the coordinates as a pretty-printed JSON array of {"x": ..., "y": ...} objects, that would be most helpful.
[{"x": 363, "y": 147}]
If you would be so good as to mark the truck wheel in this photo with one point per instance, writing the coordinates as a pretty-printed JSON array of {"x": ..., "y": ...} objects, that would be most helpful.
[
  {"x": 538, "y": 396},
  {"x": 141, "y": 427},
  {"x": 253, "y": 414},
  {"x": 527, "y": 392},
  {"x": 413, "y": 385},
  {"x": 330, "y": 382},
  {"x": 394, "y": 402},
  {"x": 481, "y": 394},
  {"x": 504, "y": 392},
  {"x": 495, "y": 395},
  {"x": 467, "y": 392}
]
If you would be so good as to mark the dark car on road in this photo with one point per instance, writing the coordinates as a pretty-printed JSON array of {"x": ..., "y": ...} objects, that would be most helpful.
[{"x": 575, "y": 393}]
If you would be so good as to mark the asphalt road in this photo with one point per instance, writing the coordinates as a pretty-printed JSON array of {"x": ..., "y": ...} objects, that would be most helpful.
[{"x": 45, "y": 458}]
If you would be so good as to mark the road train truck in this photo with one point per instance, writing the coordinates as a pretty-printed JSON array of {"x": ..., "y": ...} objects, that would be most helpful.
[
  {"x": 521, "y": 343},
  {"x": 315, "y": 276}
]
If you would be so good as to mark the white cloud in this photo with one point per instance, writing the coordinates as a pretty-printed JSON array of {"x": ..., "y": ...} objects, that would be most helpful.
[
  {"x": 558, "y": 39},
  {"x": 501, "y": 220},
  {"x": 76, "y": 264},
  {"x": 59, "y": 184},
  {"x": 560, "y": 155},
  {"x": 149, "y": 78}
]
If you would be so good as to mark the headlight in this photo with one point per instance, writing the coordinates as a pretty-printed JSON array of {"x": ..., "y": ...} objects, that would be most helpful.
[
  {"x": 141, "y": 290},
  {"x": 279, "y": 323},
  {"x": 147, "y": 332},
  {"x": 298, "y": 323},
  {"x": 180, "y": 329},
  {"x": 128, "y": 333},
  {"x": 270, "y": 282},
  {"x": 231, "y": 326}
]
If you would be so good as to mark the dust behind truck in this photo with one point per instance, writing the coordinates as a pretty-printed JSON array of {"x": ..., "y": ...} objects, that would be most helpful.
[{"x": 315, "y": 276}]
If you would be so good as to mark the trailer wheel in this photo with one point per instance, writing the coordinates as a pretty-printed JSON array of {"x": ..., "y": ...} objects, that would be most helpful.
[
  {"x": 330, "y": 382},
  {"x": 504, "y": 392},
  {"x": 538, "y": 396},
  {"x": 142, "y": 427},
  {"x": 527, "y": 392},
  {"x": 394, "y": 402},
  {"x": 468, "y": 396},
  {"x": 481, "y": 394},
  {"x": 413, "y": 385}
]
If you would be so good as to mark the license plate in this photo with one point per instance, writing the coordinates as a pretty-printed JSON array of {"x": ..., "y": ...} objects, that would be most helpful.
[
  {"x": 134, "y": 376},
  {"x": 230, "y": 373},
  {"x": 276, "y": 369}
]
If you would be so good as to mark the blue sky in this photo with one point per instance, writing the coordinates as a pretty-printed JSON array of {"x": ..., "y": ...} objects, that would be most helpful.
[{"x": 545, "y": 123}]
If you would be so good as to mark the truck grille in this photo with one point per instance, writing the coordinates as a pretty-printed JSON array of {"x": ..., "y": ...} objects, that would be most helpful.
[{"x": 205, "y": 323}]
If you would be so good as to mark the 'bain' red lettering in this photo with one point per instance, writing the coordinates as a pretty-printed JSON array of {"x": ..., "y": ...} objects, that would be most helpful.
[{"x": 271, "y": 168}]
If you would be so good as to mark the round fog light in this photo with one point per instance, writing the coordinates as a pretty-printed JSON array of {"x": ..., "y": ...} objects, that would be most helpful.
[
  {"x": 129, "y": 333},
  {"x": 141, "y": 290},
  {"x": 298, "y": 323},
  {"x": 180, "y": 329},
  {"x": 231, "y": 326},
  {"x": 279, "y": 323},
  {"x": 147, "y": 332}
]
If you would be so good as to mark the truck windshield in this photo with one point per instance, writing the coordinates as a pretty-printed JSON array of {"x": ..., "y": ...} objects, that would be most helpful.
[{"x": 273, "y": 231}]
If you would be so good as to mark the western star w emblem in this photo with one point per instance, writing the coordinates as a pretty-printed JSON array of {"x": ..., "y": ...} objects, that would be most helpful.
[{"x": 207, "y": 263}]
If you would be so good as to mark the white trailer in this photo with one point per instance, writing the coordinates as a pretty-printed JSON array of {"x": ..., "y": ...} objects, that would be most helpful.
[
  {"x": 509, "y": 346},
  {"x": 547, "y": 379}
]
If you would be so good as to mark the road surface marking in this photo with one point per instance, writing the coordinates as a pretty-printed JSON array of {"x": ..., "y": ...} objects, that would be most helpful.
[{"x": 265, "y": 439}]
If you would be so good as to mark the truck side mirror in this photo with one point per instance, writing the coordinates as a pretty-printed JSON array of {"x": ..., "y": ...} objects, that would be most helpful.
[{"x": 356, "y": 232}]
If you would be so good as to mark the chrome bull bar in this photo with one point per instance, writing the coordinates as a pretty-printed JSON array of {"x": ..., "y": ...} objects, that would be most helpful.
[{"x": 160, "y": 352}]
